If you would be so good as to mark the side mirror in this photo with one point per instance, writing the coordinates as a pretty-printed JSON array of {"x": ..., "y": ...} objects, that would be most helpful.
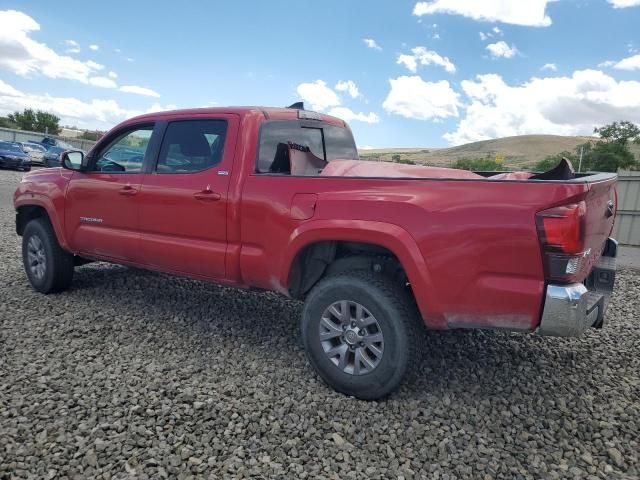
[{"x": 72, "y": 160}]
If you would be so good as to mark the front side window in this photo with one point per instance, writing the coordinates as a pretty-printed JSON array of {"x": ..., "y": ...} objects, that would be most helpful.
[
  {"x": 291, "y": 147},
  {"x": 192, "y": 146},
  {"x": 125, "y": 153}
]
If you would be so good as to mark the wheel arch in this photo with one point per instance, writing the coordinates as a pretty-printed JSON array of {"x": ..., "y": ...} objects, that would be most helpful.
[
  {"x": 35, "y": 208},
  {"x": 317, "y": 245}
]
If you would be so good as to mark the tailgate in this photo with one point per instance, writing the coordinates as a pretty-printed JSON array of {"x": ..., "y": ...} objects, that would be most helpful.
[{"x": 601, "y": 202}]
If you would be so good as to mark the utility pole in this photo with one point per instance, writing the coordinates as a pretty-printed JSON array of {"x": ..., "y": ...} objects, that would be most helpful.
[{"x": 580, "y": 163}]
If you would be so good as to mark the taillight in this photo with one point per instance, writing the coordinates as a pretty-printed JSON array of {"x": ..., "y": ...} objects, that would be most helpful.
[{"x": 561, "y": 232}]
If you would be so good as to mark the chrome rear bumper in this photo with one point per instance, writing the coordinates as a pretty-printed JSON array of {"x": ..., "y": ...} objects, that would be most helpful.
[{"x": 570, "y": 309}]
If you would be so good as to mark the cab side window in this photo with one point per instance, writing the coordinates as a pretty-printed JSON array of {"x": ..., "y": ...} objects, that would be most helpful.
[
  {"x": 125, "y": 153},
  {"x": 192, "y": 146}
]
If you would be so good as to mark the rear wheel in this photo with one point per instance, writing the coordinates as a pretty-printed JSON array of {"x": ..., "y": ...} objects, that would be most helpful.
[
  {"x": 360, "y": 332},
  {"x": 49, "y": 268}
]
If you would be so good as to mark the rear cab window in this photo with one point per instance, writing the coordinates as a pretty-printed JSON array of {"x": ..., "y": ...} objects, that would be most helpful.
[{"x": 302, "y": 147}]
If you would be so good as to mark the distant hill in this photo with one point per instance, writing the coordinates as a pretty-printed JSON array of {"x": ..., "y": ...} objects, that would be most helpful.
[{"x": 520, "y": 151}]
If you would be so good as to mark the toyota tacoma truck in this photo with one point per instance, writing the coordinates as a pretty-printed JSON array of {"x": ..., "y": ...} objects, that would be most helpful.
[{"x": 276, "y": 199}]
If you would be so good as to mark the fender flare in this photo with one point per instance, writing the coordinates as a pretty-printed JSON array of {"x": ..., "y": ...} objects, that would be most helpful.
[
  {"x": 38, "y": 200},
  {"x": 387, "y": 235}
]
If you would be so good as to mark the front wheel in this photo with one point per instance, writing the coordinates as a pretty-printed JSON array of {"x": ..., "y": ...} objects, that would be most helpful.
[
  {"x": 49, "y": 268},
  {"x": 360, "y": 333}
]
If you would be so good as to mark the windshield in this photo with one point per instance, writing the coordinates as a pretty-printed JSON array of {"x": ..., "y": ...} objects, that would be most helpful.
[
  {"x": 31, "y": 147},
  {"x": 10, "y": 147}
]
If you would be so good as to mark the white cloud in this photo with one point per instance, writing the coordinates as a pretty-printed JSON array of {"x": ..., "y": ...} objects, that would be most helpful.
[
  {"x": 129, "y": 59},
  {"x": 318, "y": 95},
  {"x": 8, "y": 90},
  {"x": 484, "y": 36},
  {"x": 496, "y": 30},
  {"x": 422, "y": 56},
  {"x": 569, "y": 105},
  {"x": 94, "y": 114},
  {"x": 139, "y": 90},
  {"x": 629, "y": 63},
  {"x": 73, "y": 46},
  {"x": 550, "y": 66},
  {"x": 371, "y": 43},
  {"x": 412, "y": 97},
  {"x": 528, "y": 13},
  {"x": 94, "y": 47},
  {"x": 502, "y": 50},
  {"x": 348, "y": 86},
  {"x": 22, "y": 55},
  {"x": 608, "y": 63},
  {"x": 624, "y": 3},
  {"x": 112, "y": 74},
  {"x": 349, "y": 115},
  {"x": 103, "y": 82}
]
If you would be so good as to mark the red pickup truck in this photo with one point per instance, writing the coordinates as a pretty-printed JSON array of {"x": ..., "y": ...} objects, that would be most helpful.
[{"x": 262, "y": 198}]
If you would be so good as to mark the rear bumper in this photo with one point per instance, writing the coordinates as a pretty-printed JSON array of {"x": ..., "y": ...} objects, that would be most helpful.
[{"x": 571, "y": 309}]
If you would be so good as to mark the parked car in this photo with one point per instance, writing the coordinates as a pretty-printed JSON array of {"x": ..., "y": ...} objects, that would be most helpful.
[
  {"x": 51, "y": 157},
  {"x": 13, "y": 156},
  {"x": 54, "y": 142},
  {"x": 277, "y": 199},
  {"x": 35, "y": 150}
]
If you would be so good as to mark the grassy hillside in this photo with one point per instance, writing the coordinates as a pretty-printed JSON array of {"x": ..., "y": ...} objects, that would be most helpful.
[{"x": 522, "y": 151}]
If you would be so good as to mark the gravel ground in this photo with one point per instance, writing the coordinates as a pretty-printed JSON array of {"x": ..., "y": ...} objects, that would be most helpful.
[{"x": 140, "y": 374}]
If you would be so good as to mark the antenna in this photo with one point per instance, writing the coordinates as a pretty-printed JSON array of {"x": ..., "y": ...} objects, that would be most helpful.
[{"x": 297, "y": 106}]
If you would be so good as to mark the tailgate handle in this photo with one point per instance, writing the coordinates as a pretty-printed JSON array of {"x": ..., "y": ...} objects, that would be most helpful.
[{"x": 609, "y": 212}]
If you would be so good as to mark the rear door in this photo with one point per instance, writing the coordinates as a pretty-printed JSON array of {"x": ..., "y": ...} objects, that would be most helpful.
[
  {"x": 102, "y": 204},
  {"x": 183, "y": 202}
]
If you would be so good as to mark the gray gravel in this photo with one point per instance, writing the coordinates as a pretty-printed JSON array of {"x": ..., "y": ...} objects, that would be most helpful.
[{"x": 136, "y": 373}]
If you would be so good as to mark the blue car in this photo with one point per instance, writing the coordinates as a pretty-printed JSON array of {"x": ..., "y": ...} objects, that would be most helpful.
[
  {"x": 13, "y": 156},
  {"x": 51, "y": 157}
]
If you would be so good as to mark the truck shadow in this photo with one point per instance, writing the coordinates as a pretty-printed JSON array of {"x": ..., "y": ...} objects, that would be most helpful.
[{"x": 209, "y": 320}]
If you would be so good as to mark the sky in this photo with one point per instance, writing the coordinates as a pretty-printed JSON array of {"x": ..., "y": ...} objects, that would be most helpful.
[{"x": 402, "y": 73}]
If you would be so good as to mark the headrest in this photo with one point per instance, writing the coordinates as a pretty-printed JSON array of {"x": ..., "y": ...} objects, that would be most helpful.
[{"x": 191, "y": 141}]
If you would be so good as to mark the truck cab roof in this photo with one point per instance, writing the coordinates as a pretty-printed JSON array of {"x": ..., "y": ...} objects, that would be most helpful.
[{"x": 269, "y": 113}]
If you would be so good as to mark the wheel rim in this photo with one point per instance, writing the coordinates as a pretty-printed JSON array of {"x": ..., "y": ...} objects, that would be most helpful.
[
  {"x": 351, "y": 337},
  {"x": 36, "y": 257}
]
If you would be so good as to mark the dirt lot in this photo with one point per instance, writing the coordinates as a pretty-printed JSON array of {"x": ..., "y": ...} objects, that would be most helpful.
[{"x": 135, "y": 373}]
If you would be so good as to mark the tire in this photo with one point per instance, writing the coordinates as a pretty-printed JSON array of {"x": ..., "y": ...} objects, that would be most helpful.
[
  {"x": 48, "y": 267},
  {"x": 396, "y": 319}
]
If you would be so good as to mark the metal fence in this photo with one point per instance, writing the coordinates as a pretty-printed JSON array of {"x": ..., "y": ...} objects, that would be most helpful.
[
  {"x": 627, "y": 229},
  {"x": 12, "y": 135}
]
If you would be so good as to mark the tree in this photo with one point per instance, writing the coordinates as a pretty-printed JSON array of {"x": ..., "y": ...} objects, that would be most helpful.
[
  {"x": 38, "y": 121},
  {"x": 611, "y": 152},
  {"x": 24, "y": 120},
  {"x": 619, "y": 132},
  {"x": 478, "y": 164},
  {"x": 607, "y": 157},
  {"x": 5, "y": 122},
  {"x": 47, "y": 122}
]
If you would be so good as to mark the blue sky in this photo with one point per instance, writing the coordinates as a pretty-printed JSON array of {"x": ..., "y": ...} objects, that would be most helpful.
[{"x": 403, "y": 73}]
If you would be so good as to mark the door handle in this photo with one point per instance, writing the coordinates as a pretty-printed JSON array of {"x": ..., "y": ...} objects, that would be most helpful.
[
  {"x": 128, "y": 191},
  {"x": 207, "y": 196}
]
